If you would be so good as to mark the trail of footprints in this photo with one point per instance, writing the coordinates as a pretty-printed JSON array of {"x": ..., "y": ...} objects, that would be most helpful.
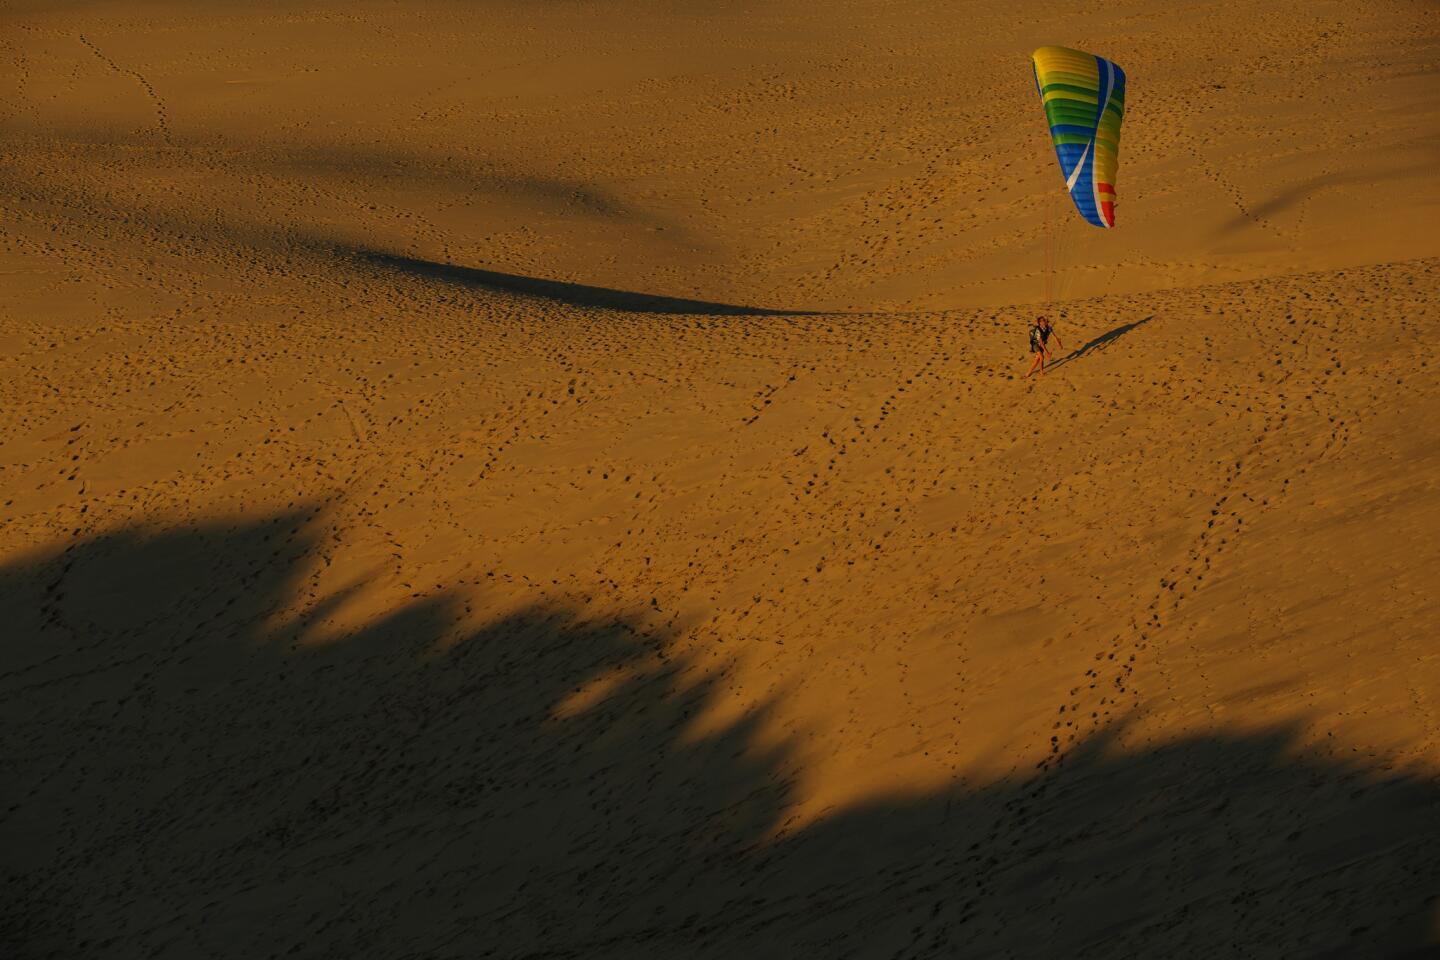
[
  {"x": 1106, "y": 690},
  {"x": 162, "y": 122}
]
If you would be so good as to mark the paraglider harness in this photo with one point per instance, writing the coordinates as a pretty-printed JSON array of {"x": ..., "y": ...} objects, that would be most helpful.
[{"x": 1037, "y": 338}]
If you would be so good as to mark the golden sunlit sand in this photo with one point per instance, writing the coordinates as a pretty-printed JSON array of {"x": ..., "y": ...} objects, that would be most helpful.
[{"x": 558, "y": 480}]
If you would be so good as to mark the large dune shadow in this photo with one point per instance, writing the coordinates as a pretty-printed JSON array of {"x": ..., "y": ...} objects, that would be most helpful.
[{"x": 187, "y": 774}]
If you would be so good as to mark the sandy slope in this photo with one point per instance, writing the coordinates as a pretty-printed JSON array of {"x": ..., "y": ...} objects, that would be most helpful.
[{"x": 554, "y": 480}]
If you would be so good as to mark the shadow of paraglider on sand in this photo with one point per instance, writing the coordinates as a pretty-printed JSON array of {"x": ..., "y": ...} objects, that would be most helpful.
[{"x": 1100, "y": 343}]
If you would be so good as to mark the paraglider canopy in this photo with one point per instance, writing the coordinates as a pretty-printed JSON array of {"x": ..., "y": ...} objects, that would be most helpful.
[{"x": 1084, "y": 99}]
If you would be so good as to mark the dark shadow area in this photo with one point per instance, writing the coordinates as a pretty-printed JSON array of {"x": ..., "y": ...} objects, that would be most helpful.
[
  {"x": 568, "y": 294},
  {"x": 185, "y": 776},
  {"x": 1100, "y": 342}
]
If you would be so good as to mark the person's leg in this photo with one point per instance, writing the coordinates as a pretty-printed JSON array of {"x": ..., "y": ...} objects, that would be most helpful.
[{"x": 1039, "y": 361}]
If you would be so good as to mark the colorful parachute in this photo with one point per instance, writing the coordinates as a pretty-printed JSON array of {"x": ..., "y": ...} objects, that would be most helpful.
[{"x": 1084, "y": 98}]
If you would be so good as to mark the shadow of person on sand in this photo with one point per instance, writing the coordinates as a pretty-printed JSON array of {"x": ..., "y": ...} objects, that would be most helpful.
[
  {"x": 564, "y": 292},
  {"x": 1100, "y": 342},
  {"x": 189, "y": 774}
]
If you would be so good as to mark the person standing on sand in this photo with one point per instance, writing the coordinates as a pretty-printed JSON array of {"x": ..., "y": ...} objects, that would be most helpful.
[
  {"x": 1040, "y": 335},
  {"x": 1037, "y": 347},
  {"x": 1046, "y": 332}
]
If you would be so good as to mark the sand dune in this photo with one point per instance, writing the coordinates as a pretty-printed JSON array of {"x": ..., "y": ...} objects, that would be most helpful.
[{"x": 557, "y": 480}]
